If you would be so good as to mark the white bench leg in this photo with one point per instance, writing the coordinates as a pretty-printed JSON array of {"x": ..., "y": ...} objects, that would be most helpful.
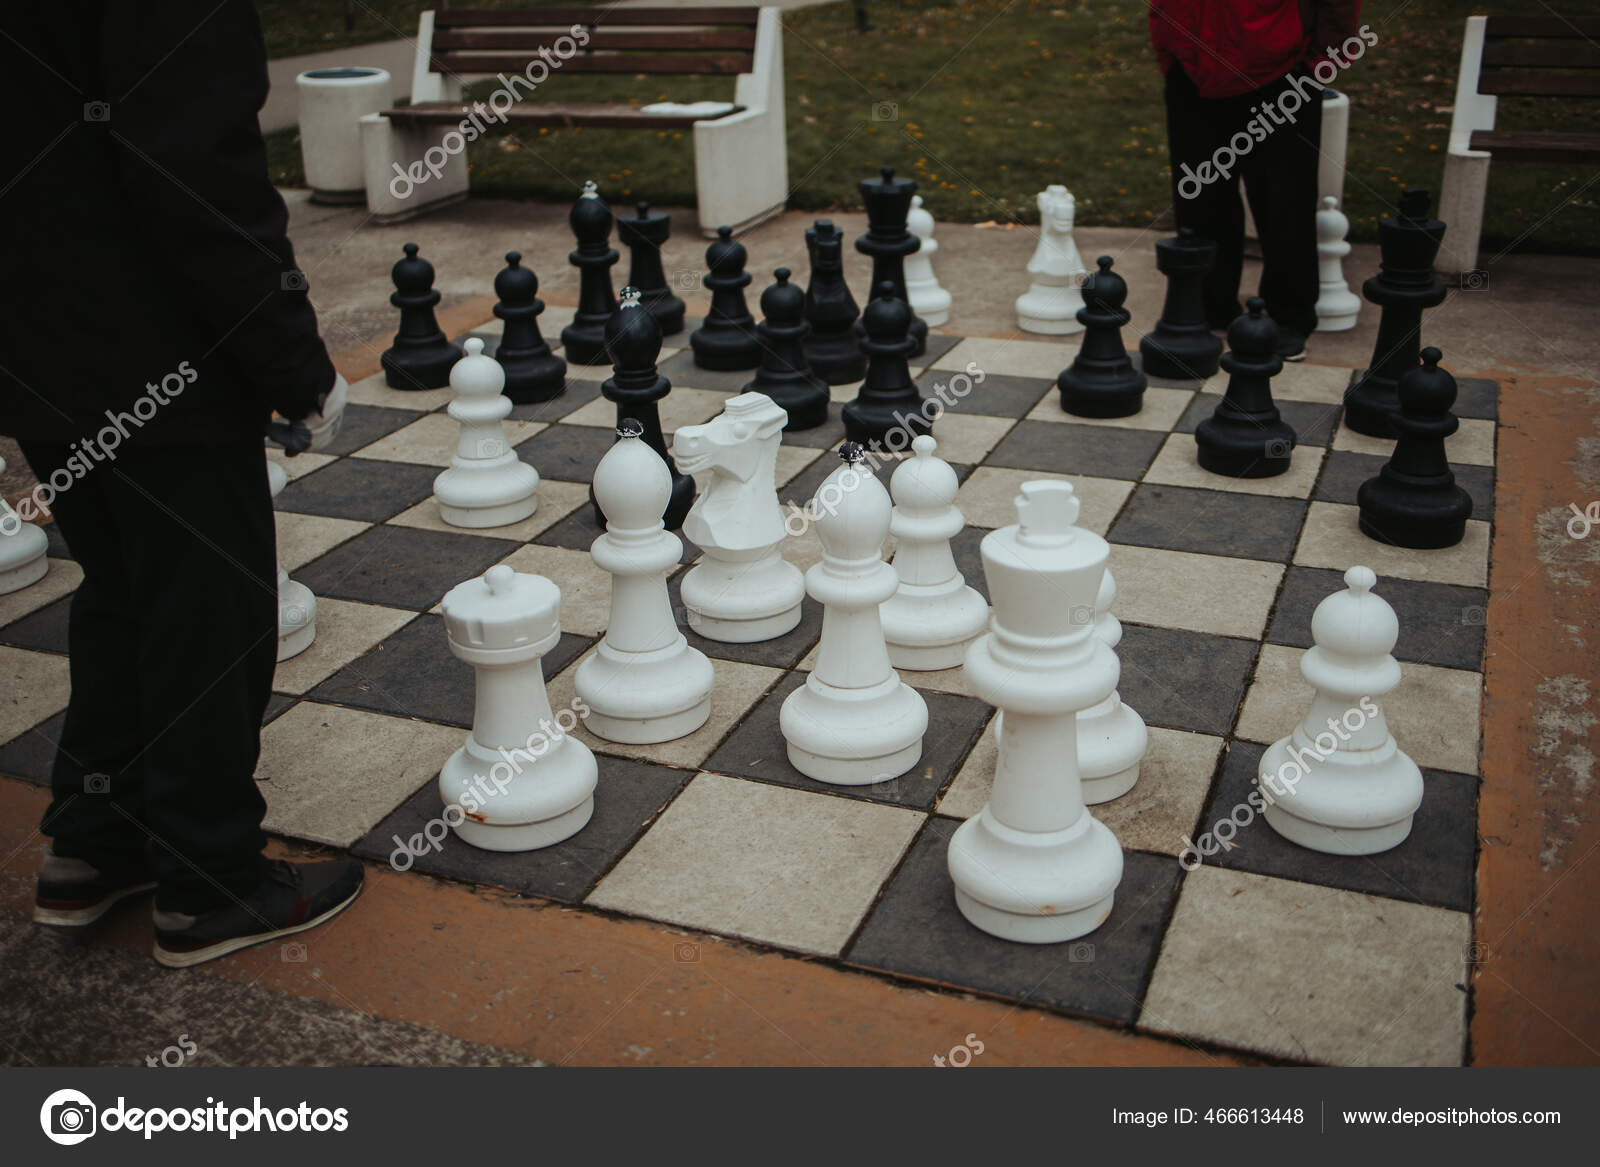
[
  {"x": 1461, "y": 202},
  {"x": 741, "y": 162},
  {"x": 411, "y": 170}
]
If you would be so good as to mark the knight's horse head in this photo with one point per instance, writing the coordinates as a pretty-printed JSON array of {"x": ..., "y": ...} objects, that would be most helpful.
[{"x": 724, "y": 443}]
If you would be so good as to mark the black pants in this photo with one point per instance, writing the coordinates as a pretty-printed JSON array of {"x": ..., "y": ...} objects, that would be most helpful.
[
  {"x": 1280, "y": 179},
  {"x": 173, "y": 640}
]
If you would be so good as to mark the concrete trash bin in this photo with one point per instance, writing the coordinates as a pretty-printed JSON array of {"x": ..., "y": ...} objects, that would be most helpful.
[{"x": 332, "y": 102}]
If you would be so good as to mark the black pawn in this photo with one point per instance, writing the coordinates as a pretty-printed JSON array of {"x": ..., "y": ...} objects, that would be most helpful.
[
  {"x": 833, "y": 348},
  {"x": 888, "y": 242},
  {"x": 533, "y": 373},
  {"x": 888, "y": 402},
  {"x": 1245, "y": 437},
  {"x": 1403, "y": 287},
  {"x": 1414, "y": 500},
  {"x": 784, "y": 374},
  {"x": 1101, "y": 381},
  {"x": 644, "y": 235},
  {"x": 633, "y": 339},
  {"x": 584, "y": 340},
  {"x": 727, "y": 340},
  {"x": 422, "y": 355},
  {"x": 1181, "y": 347}
]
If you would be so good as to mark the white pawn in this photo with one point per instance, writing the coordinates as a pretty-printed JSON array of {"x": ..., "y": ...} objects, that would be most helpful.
[
  {"x": 928, "y": 299},
  {"x": 1339, "y": 783},
  {"x": 854, "y": 722},
  {"x": 1337, "y": 305},
  {"x": 1050, "y": 305},
  {"x": 1112, "y": 738},
  {"x": 502, "y": 624},
  {"x": 487, "y": 485},
  {"x": 22, "y": 549},
  {"x": 743, "y": 590},
  {"x": 1034, "y": 865},
  {"x": 644, "y": 683},
  {"x": 933, "y": 614},
  {"x": 297, "y": 607}
]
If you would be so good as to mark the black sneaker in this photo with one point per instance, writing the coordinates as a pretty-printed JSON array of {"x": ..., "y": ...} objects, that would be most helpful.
[
  {"x": 1291, "y": 345},
  {"x": 291, "y": 898},
  {"x": 73, "y": 892}
]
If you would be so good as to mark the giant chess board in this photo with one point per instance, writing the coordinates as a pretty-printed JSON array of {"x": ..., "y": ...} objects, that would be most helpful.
[{"x": 717, "y": 833}]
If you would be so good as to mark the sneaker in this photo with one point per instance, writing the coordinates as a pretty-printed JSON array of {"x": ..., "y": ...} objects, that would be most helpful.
[
  {"x": 73, "y": 892},
  {"x": 291, "y": 898},
  {"x": 1291, "y": 345}
]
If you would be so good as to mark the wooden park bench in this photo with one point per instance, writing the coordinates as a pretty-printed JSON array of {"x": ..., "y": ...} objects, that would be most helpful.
[
  {"x": 414, "y": 157},
  {"x": 1544, "y": 56}
]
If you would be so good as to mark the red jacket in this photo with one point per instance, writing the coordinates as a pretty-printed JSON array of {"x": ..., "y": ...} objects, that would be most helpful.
[{"x": 1229, "y": 47}]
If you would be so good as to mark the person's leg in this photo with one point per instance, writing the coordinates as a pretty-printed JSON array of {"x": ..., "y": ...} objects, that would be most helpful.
[
  {"x": 97, "y": 797},
  {"x": 1195, "y": 129},
  {"x": 1281, "y": 183},
  {"x": 197, "y": 536}
]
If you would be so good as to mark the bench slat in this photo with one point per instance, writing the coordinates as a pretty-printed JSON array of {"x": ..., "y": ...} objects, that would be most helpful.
[
  {"x": 544, "y": 17},
  {"x": 530, "y": 41},
  {"x": 1553, "y": 54},
  {"x": 1538, "y": 145},
  {"x": 467, "y": 64},
  {"x": 612, "y": 115},
  {"x": 1538, "y": 83},
  {"x": 1559, "y": 28}
]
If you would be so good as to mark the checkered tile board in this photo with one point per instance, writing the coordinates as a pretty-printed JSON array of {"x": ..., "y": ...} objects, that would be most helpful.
[{"x": 1266, "y": 948}]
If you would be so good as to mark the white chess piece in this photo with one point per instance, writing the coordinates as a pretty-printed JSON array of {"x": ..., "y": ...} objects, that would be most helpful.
[
  {"x": 1339, "y": 783},
  {"x": 1337, "y": 305},
  {"x": 1034, "y": 865},
  {"x": 928, "y": 299},
  {"x": 742, "y": 591},
  {"x": 933, "y": 614},
  {"x": 644, "y": 683},
  {"x": 487, "y": 485},
  {"x": 1112, "y": 738},
  {"x": 23, "y": 547},
  {"x": 854, "y": 722},
  {"x": 297, "y": 607},
  {"x": 521, "y": 781},
  {"x": 1050, "y": 305}
]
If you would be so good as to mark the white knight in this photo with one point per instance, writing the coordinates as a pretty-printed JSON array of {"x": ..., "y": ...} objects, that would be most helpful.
[{"x": 1050, "y": 305}]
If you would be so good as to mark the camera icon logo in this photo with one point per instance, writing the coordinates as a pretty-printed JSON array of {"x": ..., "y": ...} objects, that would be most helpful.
[
  {"x": 885, "y": 111},
  {"x": 97, "y": 783},
  {"x": 686, "y": 953},
  {"x": 67, "y": 1117},
  {"x": 685, "y": 279},
  {"x": 1278, "y": 448},
  {"x": 1475, "y": 281},
  {"x": 1080, "y": 953},
  {"x": 293, "y": 953},
  {"x": 293, "y": 280},
  {"x": 97, "y": 111}
]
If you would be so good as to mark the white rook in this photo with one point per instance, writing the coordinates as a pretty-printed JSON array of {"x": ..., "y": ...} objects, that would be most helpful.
[
  {"x": 1339, "y": 783},
  {"x": 1034, "y": 865},
  {"x": 521, "y": 781},
  {"x": 644, "y": 683}
]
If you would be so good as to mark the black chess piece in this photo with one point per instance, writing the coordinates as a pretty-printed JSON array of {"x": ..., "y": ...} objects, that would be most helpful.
[
  {"x": 1101, "y": 381},
  {"x": 727, "y": 341},
  {"x": 1403, "y": 287},
  {"x": 888, "y": 241},
  {"x": 784, "y": 375},
  {"x": 1245, "y": 437},
  {"x": 833, "y": 348},
  {"x": 422, "y": 355},
  {"x": 533, "y": 372},
  {"x": 583, "y": 341},
  {"x": 633, "y": 340},
  {"x": 1181, "y": 347},
  {"x": 888, "y": 402},
  {"x": 1414, "y": 500},
  {"x": 644, "y": 235}
]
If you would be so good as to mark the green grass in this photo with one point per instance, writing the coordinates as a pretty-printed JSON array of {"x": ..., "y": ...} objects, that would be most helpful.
[{"x": 986, "y": 102}]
